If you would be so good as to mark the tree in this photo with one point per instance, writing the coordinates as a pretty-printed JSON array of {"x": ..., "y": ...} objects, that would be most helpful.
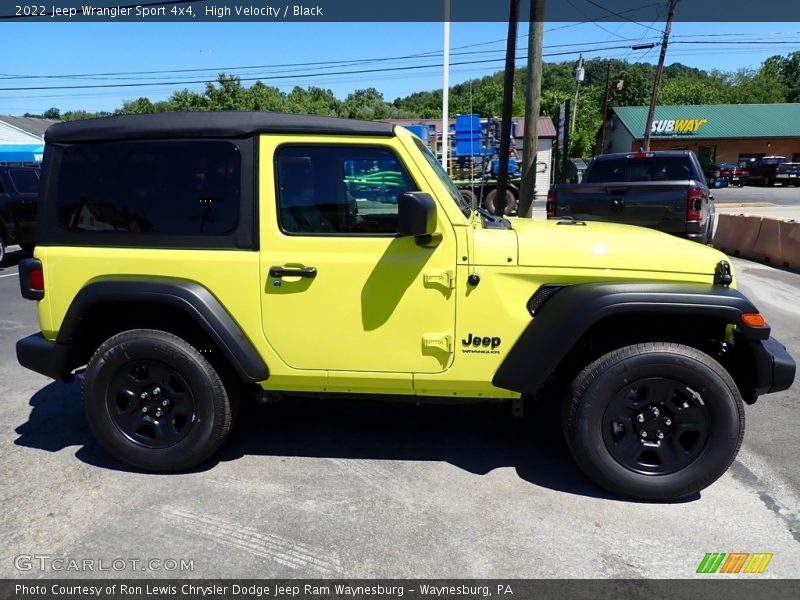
[
  {"x": 52, "y": 113},
  {"x": 686, "y": 91},
  {"x": 366, "y": 104},
  {"x": 138, "y": 106}
]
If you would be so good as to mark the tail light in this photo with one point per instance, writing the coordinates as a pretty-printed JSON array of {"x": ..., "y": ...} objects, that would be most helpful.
[
  {"x": 776, "y": 169},
  {"x": 744, "y": 172},
  {"x": 31, "y": 279},
  {"x": 640, "y": 155},
  {"x": 551, "y": 203},
  {"x": 694, "y": 205}
]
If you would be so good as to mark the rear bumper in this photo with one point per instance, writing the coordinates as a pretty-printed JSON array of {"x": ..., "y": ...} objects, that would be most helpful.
[
  {"x": 775, "y": 369},
  {"x": 48, "y": 358}
]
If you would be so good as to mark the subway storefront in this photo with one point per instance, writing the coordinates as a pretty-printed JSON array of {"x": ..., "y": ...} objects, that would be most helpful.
[{"x": 717, "y": 133}]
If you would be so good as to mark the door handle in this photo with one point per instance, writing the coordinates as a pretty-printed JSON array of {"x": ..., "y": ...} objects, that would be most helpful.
[{"x": 309, "y": 272}]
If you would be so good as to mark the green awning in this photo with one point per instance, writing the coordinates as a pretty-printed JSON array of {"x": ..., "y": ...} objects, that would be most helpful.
[{"x": 714, "y": 121}]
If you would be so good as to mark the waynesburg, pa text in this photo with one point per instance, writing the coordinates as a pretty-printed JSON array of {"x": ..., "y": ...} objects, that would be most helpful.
[{"x": 268, "y": 591}]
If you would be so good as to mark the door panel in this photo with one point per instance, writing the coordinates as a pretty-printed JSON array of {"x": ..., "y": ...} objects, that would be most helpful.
[{"x": 363, "y": 299}]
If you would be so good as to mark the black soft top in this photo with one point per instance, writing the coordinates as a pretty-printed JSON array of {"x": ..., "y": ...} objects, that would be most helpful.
[{"x": 207, "y": 124}]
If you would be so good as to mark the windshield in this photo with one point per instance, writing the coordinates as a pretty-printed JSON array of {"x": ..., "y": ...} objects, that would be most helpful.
[{"x": 462, "y": 204}]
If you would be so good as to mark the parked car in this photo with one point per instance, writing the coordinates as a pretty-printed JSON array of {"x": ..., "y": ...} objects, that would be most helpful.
[
  {"x": 19, "y": 191},
  {"x": 770, "y": 170},
  {"x": 732, "y": 174},
  {"x": 662, "y": 190},
  {"x": 714, "y": 179}
]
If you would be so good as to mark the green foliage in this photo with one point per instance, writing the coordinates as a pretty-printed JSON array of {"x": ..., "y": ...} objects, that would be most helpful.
[{"x": 777, "y": 80}]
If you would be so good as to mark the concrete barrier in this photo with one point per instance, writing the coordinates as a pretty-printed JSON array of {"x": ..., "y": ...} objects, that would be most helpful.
[
  {"x": 767, "y": 245},
  {"x": 737, "y": 234},
  {"x": 722, "y": 233},
  {"x": 790, "y": 244}
]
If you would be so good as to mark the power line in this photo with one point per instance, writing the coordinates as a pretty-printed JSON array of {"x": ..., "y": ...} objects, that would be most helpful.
[
  {"x": 327, "y": 64},
  {"x": 294, "y": 76},
  {"x": 620, "y": 15}
]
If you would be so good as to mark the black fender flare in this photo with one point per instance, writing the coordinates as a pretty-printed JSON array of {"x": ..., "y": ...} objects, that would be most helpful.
[
  {"x": 571, "y": 311},
  {"x": 190, "y": 297}
]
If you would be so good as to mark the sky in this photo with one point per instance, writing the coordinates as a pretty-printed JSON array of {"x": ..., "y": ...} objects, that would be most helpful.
[{"x": 286, "y": 54}]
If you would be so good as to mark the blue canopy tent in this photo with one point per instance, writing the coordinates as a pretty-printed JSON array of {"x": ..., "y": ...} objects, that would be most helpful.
[{"x": 21, "y": 153}]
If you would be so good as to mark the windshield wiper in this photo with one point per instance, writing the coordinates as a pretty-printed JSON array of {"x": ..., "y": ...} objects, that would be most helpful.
[
  {"x": 482, "y": 211},
  {"x": 492, "y": 221}
]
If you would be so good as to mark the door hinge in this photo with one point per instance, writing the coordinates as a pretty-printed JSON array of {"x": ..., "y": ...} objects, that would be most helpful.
[
  {"x": 438, "y": 341},
  {"x": 445, "y": 279}
]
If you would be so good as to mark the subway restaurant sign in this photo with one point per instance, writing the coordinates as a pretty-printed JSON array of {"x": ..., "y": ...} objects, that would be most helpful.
[{"x": 677, "y": 126}]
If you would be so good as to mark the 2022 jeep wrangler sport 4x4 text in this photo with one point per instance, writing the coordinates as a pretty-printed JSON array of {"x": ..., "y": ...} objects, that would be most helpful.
[{"x": 186, "y": 257}]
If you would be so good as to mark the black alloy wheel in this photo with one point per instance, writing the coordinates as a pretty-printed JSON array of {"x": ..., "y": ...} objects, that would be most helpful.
[
  {"x": 154, "y": 402},
  {"x": 151, "y": 403},
  {"x": 656, "y": 426},
  {"x": 655, "y": 421}
]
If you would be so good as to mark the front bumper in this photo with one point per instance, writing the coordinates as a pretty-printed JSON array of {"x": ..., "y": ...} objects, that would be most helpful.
[
  {"x": 43, "y": 356},
  {"x": 775, "y": 369}
]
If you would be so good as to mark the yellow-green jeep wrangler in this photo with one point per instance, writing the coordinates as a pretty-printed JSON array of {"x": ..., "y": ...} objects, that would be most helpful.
[{"x": 185, "y": 256}]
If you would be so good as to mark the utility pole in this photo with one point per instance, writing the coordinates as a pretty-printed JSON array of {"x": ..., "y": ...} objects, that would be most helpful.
[
  {"x": 533, "y": 101},
  {"x": 605, "y": 109},
  {"x": 446, "y": 86},
  {"x": 508, "y": 100},
  {"x": 652, "y": 112},
  {"x": 579, "y": 74}
]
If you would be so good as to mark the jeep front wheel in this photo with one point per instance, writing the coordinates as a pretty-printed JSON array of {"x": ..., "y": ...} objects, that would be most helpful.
[
  {"x": 154, "y": 402},
  {"x": 655, "y": 421}
]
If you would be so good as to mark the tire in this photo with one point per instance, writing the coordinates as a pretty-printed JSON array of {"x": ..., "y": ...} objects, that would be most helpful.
[
  {"x": 2, "y": 251},
  {"x": 491, "y": 199},
  {"x": 470, "y": 197},
  {"x": 769, "y": 182},
  {"x": 177, "y": 379},
  {"x": 695, "y": 405}
]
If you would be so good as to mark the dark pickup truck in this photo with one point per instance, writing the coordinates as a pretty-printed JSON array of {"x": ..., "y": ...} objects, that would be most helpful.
[
  {"x": 19, "y": 192},
  {"x": 661, "y": 190},
  {"x": 770, "y": 170}
]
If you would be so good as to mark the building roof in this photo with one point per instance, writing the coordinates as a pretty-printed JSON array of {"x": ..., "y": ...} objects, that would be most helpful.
[
  {"x": 546, "y": 128},
  {"x": 209, "y": 124},
  {"x": 714, "y": 121},
  {"x": 32, "y": 125}
]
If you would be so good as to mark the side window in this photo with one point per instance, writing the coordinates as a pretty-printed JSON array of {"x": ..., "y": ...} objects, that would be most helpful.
[
  {"x": 157, "y": 187},
  {"x": 339, "y": 189},
  {"x": 26, "y": 181}
]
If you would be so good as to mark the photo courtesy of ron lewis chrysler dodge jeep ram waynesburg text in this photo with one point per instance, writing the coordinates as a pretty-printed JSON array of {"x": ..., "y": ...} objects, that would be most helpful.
[{"x": 188, "y": 260}]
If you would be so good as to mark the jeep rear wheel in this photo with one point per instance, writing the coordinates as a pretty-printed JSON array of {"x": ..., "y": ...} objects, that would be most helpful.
[
  {"x": 154, "y": 402},
  {"x": 656, "y": 421},
  {"x": 2, "y": 251}
]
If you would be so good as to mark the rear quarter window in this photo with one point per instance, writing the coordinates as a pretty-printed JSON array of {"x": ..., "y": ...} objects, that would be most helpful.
[{"x": 169, "y": 188}]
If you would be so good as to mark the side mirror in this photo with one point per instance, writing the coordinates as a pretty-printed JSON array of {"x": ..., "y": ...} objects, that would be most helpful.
[{"x": 417, "y": 216}]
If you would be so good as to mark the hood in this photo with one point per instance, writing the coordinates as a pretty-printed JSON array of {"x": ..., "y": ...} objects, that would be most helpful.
[{"x": 607, "y": 246}]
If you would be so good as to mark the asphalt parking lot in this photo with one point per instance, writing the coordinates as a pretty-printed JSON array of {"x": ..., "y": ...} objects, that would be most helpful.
[{"x": 313, "y": 488}]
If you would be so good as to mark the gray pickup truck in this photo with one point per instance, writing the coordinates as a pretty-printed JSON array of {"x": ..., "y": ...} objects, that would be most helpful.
[
  {"x": 770, "y": 170},
  {"x": 660, "y": 190}
]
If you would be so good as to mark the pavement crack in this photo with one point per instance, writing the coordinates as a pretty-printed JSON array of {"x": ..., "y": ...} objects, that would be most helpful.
[{"x": 792, "y": 519}]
